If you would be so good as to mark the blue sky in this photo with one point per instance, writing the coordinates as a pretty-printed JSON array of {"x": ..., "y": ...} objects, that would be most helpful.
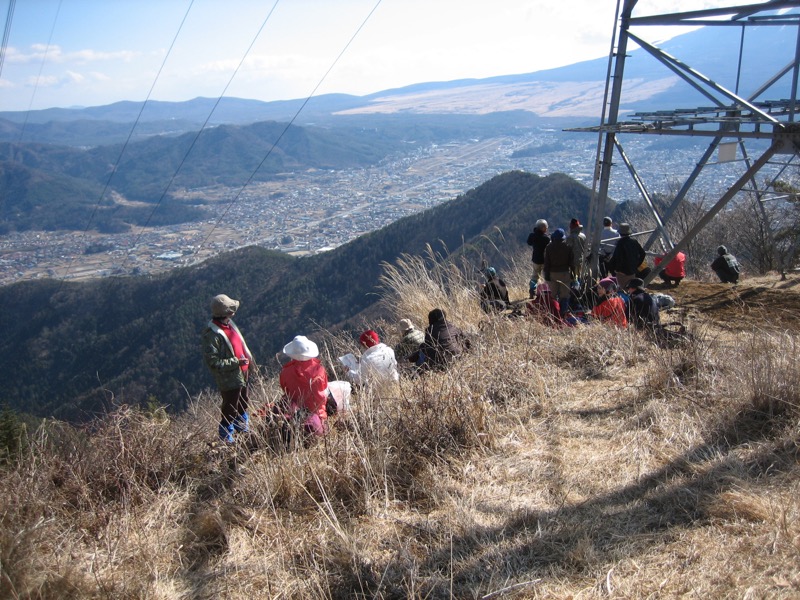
[{"x": 94, "y": 52}]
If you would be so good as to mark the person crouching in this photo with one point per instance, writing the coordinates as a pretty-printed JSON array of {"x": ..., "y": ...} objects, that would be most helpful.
[{"x": 305, "y": 383}]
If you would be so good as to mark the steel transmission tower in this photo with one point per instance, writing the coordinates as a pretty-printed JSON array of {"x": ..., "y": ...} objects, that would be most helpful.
[{"x": 729, "y": 121}]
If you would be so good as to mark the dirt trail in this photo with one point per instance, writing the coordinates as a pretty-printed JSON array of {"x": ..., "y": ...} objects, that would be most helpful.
[{"x": 764, "y": 302}]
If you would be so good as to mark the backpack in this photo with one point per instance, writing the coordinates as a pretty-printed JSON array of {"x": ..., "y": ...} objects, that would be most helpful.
[{"x": 664, "y": 300}]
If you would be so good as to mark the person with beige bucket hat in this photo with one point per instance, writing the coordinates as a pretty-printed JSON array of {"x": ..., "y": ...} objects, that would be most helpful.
[{"x": 229, "y": 359}]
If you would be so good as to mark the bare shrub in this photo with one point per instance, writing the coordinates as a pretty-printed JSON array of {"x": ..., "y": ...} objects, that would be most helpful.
[
  {"x": 772, "y": 375},
  {"x": 685, "y": 367}
]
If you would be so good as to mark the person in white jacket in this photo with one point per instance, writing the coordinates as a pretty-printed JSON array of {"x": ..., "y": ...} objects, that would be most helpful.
[{"x": 377, "y": 364}]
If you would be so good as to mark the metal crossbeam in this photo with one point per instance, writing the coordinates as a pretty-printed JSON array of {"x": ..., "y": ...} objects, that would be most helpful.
[{"x": 729, "y": 117}]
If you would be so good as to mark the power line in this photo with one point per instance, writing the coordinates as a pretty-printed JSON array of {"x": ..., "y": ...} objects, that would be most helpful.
[
  {"x": 39, "y": 74},
  {"x": 285, "y": 129},
  {"x": 202, "y": 128},
  {"x": 130, "y": 135},
  {"x": 7, "y": 32},
  {"x": 273, "y": 145}
]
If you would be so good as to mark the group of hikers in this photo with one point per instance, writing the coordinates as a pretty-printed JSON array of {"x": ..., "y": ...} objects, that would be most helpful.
[
  {"x": 559, "y": 264},
  {"x": 308, "y": 397},
  {"x": 557, "y": 297},
  {"x": 619, "y": 298}
]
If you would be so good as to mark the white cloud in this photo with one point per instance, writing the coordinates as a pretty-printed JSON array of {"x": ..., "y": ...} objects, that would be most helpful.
[
  {"x": 42, "y": 81},
  {"x": 75, "y": 77}
]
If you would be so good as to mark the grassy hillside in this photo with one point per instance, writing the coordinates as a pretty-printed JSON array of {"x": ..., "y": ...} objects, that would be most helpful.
[
  {"x": 131, "y": 338},
  {"x": 547, "y": 463}
]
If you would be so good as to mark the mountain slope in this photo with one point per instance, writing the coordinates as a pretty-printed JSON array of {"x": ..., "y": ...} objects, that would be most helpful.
[{"x": 74, "y": 347}]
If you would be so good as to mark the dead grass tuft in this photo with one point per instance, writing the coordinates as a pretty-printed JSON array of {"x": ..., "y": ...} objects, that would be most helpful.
[{"x": 773, "y": 374}]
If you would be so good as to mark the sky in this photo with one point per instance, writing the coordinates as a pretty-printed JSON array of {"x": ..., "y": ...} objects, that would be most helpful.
[{"x": 68, "y": 53}]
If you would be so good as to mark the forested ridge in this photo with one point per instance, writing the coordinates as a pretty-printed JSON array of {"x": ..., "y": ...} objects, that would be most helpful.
[{"x": 74, "y": 348}]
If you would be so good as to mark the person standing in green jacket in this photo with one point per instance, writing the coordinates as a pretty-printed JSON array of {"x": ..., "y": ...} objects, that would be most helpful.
[{"x": 228, "y": 358}]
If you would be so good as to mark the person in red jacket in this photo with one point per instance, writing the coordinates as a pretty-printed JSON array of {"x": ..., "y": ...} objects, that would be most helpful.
[
  {"x": 305, "y": 383},
  {"x": 610, "y": 308},
  {"x": 543, "y": 306},
  {"x": 675, "y": 271}
]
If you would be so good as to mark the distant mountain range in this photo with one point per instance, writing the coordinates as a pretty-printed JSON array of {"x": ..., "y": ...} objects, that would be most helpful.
[
  {"x": 572, "y": 92},
  {"x": 70, "y": 347}
]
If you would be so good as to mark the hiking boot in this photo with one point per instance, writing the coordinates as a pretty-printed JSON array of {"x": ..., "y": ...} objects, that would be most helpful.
[
  {"x": 226, "y": 433},
  {"x": 241, "y": 424}
]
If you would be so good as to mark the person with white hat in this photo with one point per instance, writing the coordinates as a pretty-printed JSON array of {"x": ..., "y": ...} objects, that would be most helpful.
[
  {"x": 229, "y": 359},
  {"x": 304, "y": 381}
]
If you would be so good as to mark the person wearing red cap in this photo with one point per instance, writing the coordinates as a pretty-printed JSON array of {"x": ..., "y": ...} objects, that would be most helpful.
[{"x": 377, "y": 364}]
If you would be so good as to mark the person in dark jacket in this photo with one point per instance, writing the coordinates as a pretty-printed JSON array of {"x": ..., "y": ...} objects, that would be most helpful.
[
  {"x": 642, "y": 307},
  {"x": 538, "y": 239},
  {"x": 628, "y": 256},
  {"x": 494, "y": 293},
  {"x": 443, "y": 343},
  {"x": 558, "y": 263},
  {"x": 228, "y": 358},
  {"x": 726, "y": 266}
]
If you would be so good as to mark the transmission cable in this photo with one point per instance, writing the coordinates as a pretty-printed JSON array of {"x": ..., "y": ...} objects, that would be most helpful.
[
  {"x": 39, "y": 75},
  {"x": 194, "y": 141},
  {"x": 305, "y": 102},
  {"x": 128, "y": 139},
  {"x": 202, "y": 128},
  {"x": 285, "y": 129},
  {"x": 6, "y": 32}
]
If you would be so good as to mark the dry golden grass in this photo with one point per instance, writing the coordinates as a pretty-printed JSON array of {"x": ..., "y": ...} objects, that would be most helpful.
[{"x": 575, "y": 463}]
